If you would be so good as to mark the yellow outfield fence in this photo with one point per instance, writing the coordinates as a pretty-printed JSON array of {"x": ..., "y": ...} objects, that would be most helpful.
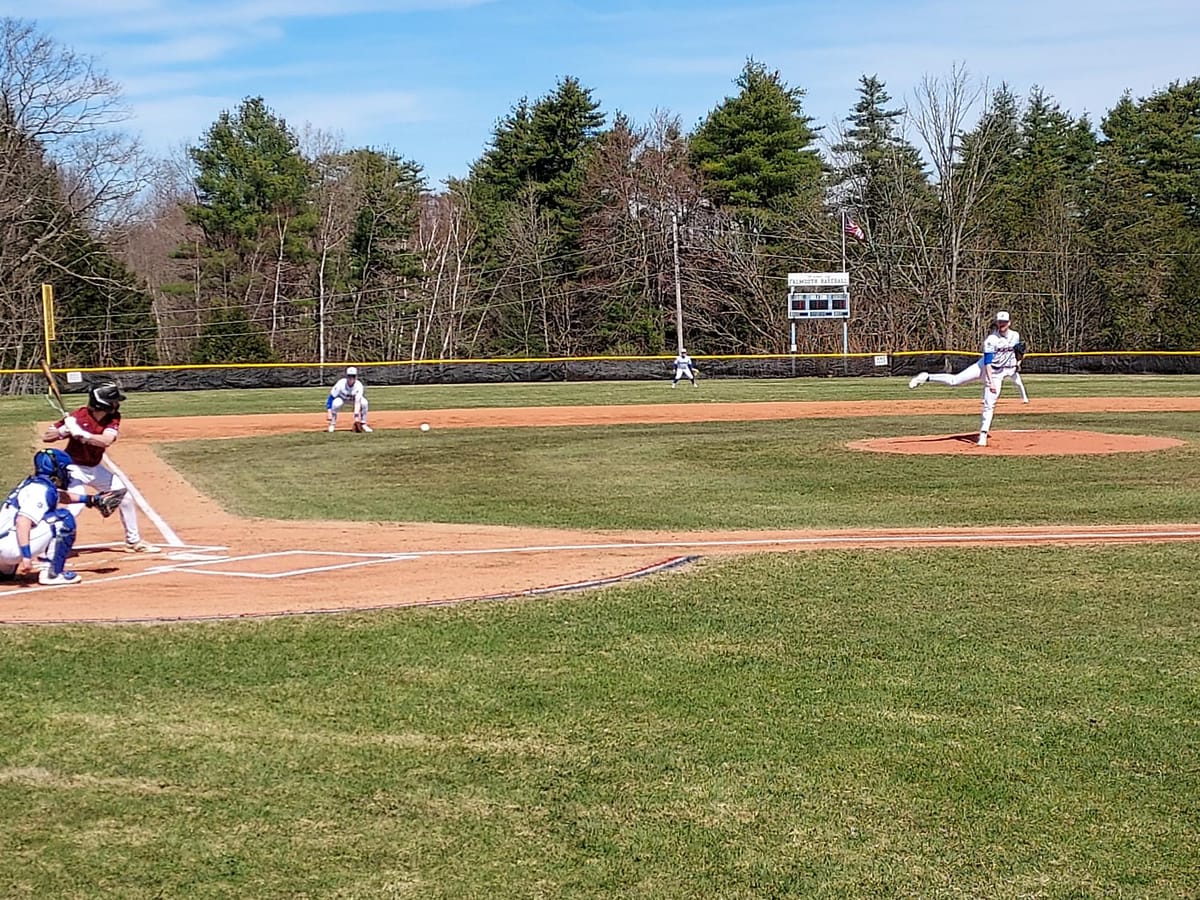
[{"x": 584, "y": 368}]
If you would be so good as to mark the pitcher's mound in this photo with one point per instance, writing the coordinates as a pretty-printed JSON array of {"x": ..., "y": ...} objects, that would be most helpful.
[{"x": 1020, "y": 443}]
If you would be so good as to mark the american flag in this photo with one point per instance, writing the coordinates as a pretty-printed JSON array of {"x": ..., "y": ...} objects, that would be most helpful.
[{"x": 854, "y": 230}]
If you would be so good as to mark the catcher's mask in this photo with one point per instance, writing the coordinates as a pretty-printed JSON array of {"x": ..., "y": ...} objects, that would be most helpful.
[
  {"x": 105, "y": 396},
  {"x": 52, "y": 464}
]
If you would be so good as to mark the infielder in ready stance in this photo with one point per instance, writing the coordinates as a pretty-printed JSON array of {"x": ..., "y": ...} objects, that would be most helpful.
[
  {"x": 684, "y": 368},
  {"x": 348, "y": 389},
  {"x": 1003, "y": 350},
  {"x": 89, "y": 431},
  {"x": 33, "y": 525}
]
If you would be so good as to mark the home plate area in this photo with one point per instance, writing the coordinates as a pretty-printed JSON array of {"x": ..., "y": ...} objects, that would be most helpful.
[{"x": 195, "y": 582}]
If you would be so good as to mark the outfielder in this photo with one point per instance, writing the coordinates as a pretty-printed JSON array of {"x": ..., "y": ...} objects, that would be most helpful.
[
  {"x": 89, "y": 431},
  {"x": 348, "y": 388},
  {"x": 1003, "y": 350},
  {"x": 33, "y": 525},
  {"x": 684, "y": 368}
]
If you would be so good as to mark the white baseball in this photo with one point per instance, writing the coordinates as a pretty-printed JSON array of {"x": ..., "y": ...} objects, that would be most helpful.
[{"x": 424, "y": 426}]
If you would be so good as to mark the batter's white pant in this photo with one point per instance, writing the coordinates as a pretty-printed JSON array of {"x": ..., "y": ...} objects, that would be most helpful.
[
  {"x": 101, "y": 478},
  {"x": 360, "y": 414}
]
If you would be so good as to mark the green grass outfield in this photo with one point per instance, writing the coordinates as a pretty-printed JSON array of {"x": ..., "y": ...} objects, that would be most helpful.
[{"x": 949, "y": 723}]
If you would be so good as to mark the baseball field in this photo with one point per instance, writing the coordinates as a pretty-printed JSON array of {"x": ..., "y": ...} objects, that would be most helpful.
[{"x": 760, "y": 639}]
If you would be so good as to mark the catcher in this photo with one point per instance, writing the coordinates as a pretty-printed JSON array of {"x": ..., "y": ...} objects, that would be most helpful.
[
  {"x": 35, "y": 529},
  {"x": 89, "y": 432}
]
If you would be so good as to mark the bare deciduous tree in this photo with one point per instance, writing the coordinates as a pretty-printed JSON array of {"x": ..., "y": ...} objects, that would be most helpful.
[
  {"x": 962, "y": 170},
  {"x": 65, "y": 170}
]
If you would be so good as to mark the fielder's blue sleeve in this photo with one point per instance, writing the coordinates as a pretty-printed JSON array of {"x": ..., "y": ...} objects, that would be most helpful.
[
  {"x": 329, "y": 402},
  {"x": 988, "y": 357}
]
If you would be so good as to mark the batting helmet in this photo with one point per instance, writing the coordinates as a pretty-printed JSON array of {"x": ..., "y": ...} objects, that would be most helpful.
[
  {"x": 52, "y": 464},
  {"x": 105, "y": 395}
]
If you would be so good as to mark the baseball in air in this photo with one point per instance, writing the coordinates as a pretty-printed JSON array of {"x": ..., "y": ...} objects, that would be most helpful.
[{"x": 424, "y": 426}]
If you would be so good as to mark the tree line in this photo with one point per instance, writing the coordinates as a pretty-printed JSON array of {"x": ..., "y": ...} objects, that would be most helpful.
[{"x": 268, "y": 243}]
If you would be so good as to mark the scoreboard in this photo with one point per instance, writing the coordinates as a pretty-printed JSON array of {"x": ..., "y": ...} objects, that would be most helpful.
[{"x": 818, "y": 295}]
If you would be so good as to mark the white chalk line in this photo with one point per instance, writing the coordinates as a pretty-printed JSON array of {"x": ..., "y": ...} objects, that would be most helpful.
[
  {"x": 198, "y": 548},
  {"x": 193, "y": 567},
  {"x": 360, "y": 559},
  {"x": 168, "y": 533},
  {"x": 291, "y": 573}
]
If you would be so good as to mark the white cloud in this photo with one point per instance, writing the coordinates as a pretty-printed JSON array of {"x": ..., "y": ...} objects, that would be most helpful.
[
  {"x": 193, "y": 48},
  {"x": 359, "y": 117},
  {"x": 181, "y": 16},
  {"x": 354, "y": 113}
]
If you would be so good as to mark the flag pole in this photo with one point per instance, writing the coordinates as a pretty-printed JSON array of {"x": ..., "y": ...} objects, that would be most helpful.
[{"x": 843, "y": 240}]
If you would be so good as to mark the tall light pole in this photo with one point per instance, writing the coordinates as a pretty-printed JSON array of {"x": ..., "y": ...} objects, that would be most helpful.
[{"x": 678, "y": 286}]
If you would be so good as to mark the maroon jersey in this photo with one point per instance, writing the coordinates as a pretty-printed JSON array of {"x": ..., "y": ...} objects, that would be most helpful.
[{"x": 89, "y": 454}]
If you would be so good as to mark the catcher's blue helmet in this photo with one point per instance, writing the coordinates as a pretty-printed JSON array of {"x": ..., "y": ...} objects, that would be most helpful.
[{"x": 52, "y": 464}]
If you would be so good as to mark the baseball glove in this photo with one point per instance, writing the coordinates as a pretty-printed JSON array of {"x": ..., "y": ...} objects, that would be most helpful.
[
  {"x": 106, "y": 501},
  {"x": 358, "y": 426},
  {"x": 1019, "y": 350}
]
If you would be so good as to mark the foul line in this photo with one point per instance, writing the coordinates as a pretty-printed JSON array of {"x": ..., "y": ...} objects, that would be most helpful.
[
  {"x": 160, "y": 523},
  {"x": 857, "y": 540}
]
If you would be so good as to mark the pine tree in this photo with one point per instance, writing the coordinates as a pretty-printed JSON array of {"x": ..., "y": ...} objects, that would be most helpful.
[
  {"x": 755, "y": 151},
  {"x": 1144, "y": 218},
  {"x": 879, "y": 180},
  {"x": 252, "y": 189},
  {"x": 524, "y": 195},
  {"x": 874, "y": 152}
]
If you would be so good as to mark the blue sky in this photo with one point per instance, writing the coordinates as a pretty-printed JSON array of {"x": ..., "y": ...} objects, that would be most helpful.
[{"x": 430, "y": 78}]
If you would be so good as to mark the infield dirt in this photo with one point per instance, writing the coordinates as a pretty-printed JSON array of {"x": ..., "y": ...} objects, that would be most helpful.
[{"x": 215, "y": 565}]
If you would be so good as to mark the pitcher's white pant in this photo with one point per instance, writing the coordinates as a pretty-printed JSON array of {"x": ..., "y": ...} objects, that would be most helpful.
[
  {"x": 990, "y": 397},
  {"x": 360, "y": 414},
  {"x": 970, "y": 373},
  {"x": 101, "y": 478},
  {"x": 974, "y": 372},
  {"x": 1016, "y": 377}
]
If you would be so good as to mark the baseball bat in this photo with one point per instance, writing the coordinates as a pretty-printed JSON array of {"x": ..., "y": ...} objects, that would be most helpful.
[{"x": 53, "y": 394}]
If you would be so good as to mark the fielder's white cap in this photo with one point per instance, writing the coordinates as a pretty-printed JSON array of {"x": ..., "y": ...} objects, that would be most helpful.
[
  {"x": 1002, "y": 316},
  {"x": 354, "y": 371}
]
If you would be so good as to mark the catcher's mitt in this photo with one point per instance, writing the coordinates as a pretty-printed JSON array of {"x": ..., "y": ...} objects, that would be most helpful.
[
  {"x": 1019, "y": 350},
  {"x": 106, "y": 501}
]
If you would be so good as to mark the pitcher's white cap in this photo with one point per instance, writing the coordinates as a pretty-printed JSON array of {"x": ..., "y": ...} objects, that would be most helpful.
[
  {"x": 1002, "y": 316},
  {"x": 354, "y": 371}
]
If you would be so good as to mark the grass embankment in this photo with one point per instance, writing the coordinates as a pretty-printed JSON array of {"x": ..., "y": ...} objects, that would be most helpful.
[
  {"x": 954, "y": 723},
  {"x": 961, "y": 722}
]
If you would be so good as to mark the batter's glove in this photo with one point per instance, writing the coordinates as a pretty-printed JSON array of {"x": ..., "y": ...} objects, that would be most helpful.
[
  {"x": 1019, "y": 350},
  {"x": 106, "y": 501}
]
